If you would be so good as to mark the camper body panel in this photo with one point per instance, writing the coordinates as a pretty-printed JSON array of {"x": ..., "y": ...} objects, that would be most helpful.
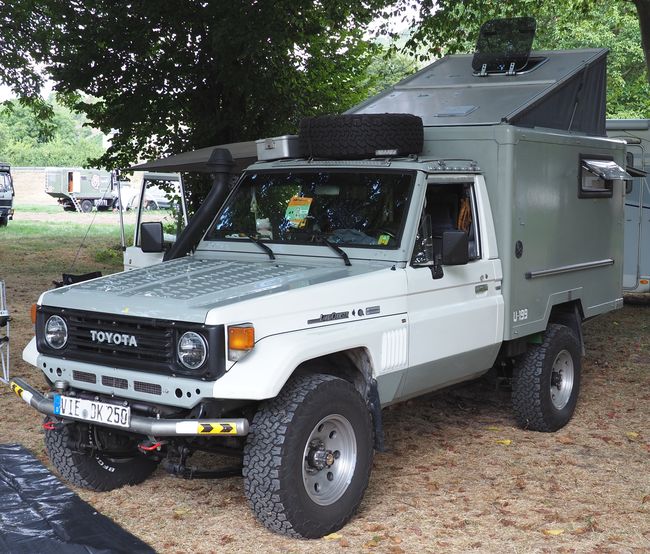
[{"x": 533, "y": 180}]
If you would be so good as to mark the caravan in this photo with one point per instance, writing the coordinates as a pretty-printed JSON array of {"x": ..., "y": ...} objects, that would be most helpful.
[{"x": 636, "y": 269}]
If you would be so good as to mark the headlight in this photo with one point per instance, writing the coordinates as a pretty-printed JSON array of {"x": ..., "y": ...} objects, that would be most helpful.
[
  {"x": 192, "y": 350},
  {"x": 56, "y": 332}
]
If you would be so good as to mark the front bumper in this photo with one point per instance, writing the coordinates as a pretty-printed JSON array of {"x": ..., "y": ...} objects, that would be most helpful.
[{"x": 148, "y": 426}]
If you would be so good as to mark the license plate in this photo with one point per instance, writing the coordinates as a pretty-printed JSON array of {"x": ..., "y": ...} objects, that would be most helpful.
[{"x": 91, "y": 410}]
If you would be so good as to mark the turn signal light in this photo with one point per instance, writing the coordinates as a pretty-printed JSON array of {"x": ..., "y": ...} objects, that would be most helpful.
[
  {"x": 33, "y": 313},
  {"x": 241, "y": 340}
]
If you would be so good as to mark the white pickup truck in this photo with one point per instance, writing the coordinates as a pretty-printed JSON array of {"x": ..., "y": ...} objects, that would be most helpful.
[{"x": 375, "y": 258}]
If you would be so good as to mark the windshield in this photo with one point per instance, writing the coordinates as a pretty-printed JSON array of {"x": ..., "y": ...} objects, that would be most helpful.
[
  {"x": 360, "y": 209},
  {"x": 5, "y": 183}
]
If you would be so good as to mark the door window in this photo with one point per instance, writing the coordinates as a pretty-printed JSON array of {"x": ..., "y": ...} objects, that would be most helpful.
[{"x": 449, "y": 207}]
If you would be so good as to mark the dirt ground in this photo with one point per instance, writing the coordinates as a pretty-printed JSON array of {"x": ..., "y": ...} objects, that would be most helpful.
[{"x": 458, "y": 475}]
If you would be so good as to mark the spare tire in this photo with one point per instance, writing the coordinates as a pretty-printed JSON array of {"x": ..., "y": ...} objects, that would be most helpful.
[{"x": 354, "y": 136}]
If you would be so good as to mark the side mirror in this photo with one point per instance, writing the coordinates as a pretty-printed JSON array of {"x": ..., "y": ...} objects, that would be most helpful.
[
  {"x": 151, "y": 236},
  {"x": 455, "y": 248}
]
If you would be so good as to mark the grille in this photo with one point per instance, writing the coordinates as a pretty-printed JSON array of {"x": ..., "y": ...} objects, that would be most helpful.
[
  {"x": 5, "y": 203},
  {"x": 131, "y": 343},
  {"x": 154, "y": 343},
  {"x": 149, "y": 388},
  {"x": 83, "y": 376},
  {"x": 115, "y": 382}
]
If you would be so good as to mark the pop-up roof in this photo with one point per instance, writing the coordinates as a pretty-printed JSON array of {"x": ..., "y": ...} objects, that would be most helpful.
[{"x": 557, "y": 89}]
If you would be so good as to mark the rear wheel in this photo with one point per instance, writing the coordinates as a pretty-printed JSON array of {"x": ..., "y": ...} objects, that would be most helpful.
[
  {"x": 86, "y": 206},
  {"x": 70, "y": 450},
  {"x": 546, "y": 381},
  {"x": 308, "y": 457}
]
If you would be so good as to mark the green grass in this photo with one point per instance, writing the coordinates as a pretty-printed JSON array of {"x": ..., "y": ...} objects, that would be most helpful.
[
  {"x": 48, "y": 231},
  {"x": 38, "y": 208}
]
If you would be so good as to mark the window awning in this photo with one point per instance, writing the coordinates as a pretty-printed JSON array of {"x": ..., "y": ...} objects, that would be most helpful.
[{"x": 606, "y": 169}]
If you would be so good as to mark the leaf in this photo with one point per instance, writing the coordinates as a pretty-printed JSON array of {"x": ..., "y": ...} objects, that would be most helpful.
[
  {"x": 632, "y": 435},
  {"x": 374, "y": 542},
  {"x": 492, "y": 428},
  {"x": 504, "y": 442},
  {"x": 332, "y": 537},
  {"x": 553, "y": 532}
]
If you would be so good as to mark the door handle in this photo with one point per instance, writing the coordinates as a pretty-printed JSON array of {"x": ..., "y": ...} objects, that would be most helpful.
[{"x": 478, "y": 289}]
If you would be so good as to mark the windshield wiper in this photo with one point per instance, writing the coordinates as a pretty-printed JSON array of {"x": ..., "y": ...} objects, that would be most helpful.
[
  {"x": 256, "y": 241},
  {"x": 334, "y": 247}
]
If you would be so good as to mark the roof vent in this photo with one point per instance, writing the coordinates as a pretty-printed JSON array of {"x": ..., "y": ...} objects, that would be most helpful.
[{"x": 504, "y": 45}]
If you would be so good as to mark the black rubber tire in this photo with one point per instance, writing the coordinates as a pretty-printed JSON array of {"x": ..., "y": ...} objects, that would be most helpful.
[
  {"x": 87, "y": 206},
  {"x": 357, "y": 136},
  {"x": 274, "y": 456},
  {"x": 3, "y": 221},
  {"x": 531, "y": 387},
  {"x": 98, "y": 471}
]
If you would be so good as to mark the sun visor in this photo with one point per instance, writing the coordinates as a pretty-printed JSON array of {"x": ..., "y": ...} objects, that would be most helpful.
[{"x": 606, "y": 169}]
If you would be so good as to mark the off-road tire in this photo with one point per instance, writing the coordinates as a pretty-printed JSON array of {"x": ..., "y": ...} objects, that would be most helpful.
[
  {"x": 532, "y": 389},
  {"x": 4, "y": 220},
  {"x": 98, "y": 471},
  {"x": 87, "y": 206},
  {"x": 355, "y": 136},
  {"x": 274, "y": 456}
]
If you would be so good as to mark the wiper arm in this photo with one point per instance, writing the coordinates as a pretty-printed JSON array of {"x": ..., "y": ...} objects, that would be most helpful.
[
  {"x": 334, "y": 247},
  {"x": 258, "y": 242}
]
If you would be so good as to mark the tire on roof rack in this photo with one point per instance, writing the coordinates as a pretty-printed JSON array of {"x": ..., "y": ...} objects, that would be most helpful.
[{"x": 351, "y": 136}]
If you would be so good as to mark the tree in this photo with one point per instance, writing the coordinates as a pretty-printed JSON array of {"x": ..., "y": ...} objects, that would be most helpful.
[
  {"x": 23, "y": 141},
  {"x": 170, "y": 76}
]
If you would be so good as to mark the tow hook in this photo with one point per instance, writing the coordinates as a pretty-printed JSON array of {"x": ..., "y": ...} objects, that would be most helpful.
[
  {"x": 151, "y": 445},
  {"x": 53, "y": 425}
]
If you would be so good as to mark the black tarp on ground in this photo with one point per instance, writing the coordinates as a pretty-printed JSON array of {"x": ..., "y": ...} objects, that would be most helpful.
[{"x": 40, "y": 514}]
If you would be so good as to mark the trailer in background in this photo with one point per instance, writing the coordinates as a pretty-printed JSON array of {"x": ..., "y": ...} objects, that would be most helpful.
[
  {"x": 636, "y": 266},
  {"x": 79, "y": 189}
]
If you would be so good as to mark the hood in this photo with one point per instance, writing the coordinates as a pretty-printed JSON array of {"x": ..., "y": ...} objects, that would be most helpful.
[{"x": 187, "y": 288}]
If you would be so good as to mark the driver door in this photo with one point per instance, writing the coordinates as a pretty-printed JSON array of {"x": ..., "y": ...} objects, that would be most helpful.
[{"x": 455, "y": 320}]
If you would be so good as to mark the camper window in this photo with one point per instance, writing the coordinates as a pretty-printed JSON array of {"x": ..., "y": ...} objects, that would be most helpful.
[{"x": 597, "y": 176}]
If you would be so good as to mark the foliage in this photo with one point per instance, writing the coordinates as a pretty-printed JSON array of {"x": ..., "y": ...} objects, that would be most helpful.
[
  {"x": 25, "y": 142},
  {"x": 188, "y": 74}
]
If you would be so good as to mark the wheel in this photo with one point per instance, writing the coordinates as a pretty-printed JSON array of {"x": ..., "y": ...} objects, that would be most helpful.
[
  {"x": 546, "y": 381},
  {"x": 361, "y": 135},
  {"x": 98, "y": 471},
  {"x": 308, "y": 457},
  {"x": 150, "y": 205},
  {"x": 86, "y": 206},
  {"x": 3, "y": 221}
]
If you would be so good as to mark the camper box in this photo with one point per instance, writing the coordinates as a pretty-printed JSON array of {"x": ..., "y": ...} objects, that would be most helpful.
[
  {"x": 79, "y": 189},
  {"x": 636, "y": 269},
  {"x": 538, "y": 139}
]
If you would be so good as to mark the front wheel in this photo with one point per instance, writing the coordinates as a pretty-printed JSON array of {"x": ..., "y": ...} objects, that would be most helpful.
[
  {"x": 546, "y": 381},
  {"x": 96, "y": 469},
  {"x": 308, "y": 457},
  {"x": 3, "y": 220}
]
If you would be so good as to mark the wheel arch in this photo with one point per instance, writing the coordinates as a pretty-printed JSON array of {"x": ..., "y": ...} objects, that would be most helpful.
[
  {"x": 570, "y": 314},
  {"x": 355, "y": 366}
]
